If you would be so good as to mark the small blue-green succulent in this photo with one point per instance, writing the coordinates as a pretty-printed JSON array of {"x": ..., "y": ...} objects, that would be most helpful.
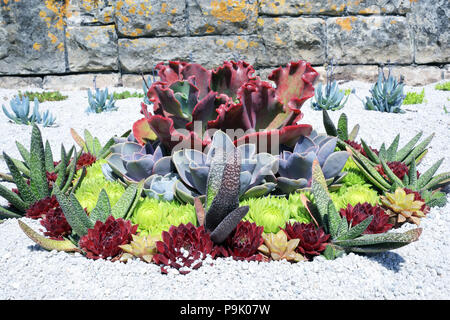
[
  {"x": 21, "y": 109},
  {"x": 99, "y": 103}
]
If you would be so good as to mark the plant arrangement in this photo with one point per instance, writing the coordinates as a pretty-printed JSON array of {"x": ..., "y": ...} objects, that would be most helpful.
[
  {"x": 20, "y": 107},
  {"x": 99, "y": 103},
  {"x": 216, "y": 194}
]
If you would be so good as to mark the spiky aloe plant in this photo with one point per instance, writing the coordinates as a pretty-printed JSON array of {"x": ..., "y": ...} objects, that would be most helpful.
[
  {"x": 21, "y": 109},
  {"x": 341, "y": 130},
  {"x": 91, "y": 144},
  {"x": 35, "y": 165},
  {"x": 223, "y": 212},
  {"x": 387, "y": 94},
  {"x": 344, "y": 237},
  {"x": 80, "y": 221}
]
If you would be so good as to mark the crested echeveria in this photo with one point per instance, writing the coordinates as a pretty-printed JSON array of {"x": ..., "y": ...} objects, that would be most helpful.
[
  {"x": 190, "y": 100},
  {"x": 295, "y": 168},
  {"x": 256, "y": 176}
]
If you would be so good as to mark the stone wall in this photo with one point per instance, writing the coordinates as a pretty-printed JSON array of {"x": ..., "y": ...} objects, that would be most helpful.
[{"x": 63, "y": 43}]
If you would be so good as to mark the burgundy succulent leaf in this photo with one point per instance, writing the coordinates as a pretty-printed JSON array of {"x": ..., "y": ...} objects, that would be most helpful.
[
  {"x": 104, "y": 239},
  {"x": 40, "y": 208},
  {"x": 231, "y": 76},
  {"x": 313, "y": 240},
  {"x": 362, "y": 211},
  {"x": 244, "y": 242},
  {"x": 184, "y": 248},
  {"x": 56, "y": 224}
]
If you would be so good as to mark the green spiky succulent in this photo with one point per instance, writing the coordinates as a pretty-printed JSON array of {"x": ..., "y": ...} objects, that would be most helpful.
[
  {"x": 344, "y": 237},
  {"x": 354, "y": 195},
  {"x": 155, "y": 216}
]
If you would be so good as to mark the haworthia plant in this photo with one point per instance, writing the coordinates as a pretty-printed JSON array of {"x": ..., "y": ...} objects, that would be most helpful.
[
  {"x": 34, "y": 166},
  {"x": 344, "y": 237},
  {"x": 341, "y": 130},
  {"x": 78, "y": 219}
]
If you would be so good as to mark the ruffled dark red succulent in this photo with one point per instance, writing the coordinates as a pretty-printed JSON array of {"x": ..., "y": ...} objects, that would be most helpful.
[
  {"x": 361, "y": 211},
  {"x": 313, "y": 240},
  {"x": 244, "y": 241},
  {"x": 398, "y": 168},
  {"x": 56, "y": 224},
  {"x": 190, "y": 102},
  {"x": 417, "y": 197},
  {"x": 104, "y": 239},
  {"x": 358, "y": 147},
  {"x": 85, "y": 160},
  {"x": 51, "y": 178},
  {"x": 40, "y": 208},
  {"x": 184, "y": 248}
]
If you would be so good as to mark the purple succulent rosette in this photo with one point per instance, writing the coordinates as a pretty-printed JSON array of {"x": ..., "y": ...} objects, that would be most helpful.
[{"x": 295, "y": 167}]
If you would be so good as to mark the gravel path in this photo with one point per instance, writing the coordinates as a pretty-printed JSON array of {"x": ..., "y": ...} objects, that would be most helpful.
[{"x": 417, "y": 271}]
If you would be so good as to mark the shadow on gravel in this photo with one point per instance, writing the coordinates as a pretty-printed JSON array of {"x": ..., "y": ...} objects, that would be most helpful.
[
  {"x": 390, "y": 260},
  {"x": 35, "y": 247}
]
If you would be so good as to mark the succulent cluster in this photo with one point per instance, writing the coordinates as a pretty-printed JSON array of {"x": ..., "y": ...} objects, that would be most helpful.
[
  {"x": 180, "y": 189},
  {"x": 20, "y": 106}
]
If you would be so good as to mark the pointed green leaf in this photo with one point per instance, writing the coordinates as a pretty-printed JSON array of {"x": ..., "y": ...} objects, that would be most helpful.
[
  {"x": 428, "y": 175},
  {"x": 370, "y": 172},
  {"x": 392, "y": 150},
  {"x": 102, "y": 209},
  {"x": 372, "y": 155},
  {"x": 215, "y": 176},
  {"x": 105, "y": 151},
  {"x": 354, "y": 133},
  {"x": 391, "y": 175},
  {"x": 78, "y": 139},
  {"x": 7, "y": 214},
  {"x": 49, "y": 166},
  {"x": 330, "y": 128},
  {"x": 72, "y": 170},
  {"x": 48, "y": 244},
  {"x": 61, "y": 168},
  {"x": 25, "y": 191},
  {"x": 342, "y": 127},
  {"x": 437, "y": 181},
  {"x": 412, "y": 174},
  {"x": 23, "y": 152},
  {"x": 123, "y": 205},
  {"x": 334, "y": 220},
  {"x": 38, "y": 177},
  {"x": 403, "y": 152},
  {"x": 13, "y": 198},
  {"x": 357, "y": 230},
  {"x": 89, "y": 141},
  {"x": 418, "y": 150}
]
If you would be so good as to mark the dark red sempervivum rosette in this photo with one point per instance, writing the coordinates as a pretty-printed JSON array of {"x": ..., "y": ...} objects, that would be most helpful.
[
  {"x": 190, "y": 102},
  {"x": 184, "y": 247},
  {"x": 362, "y": 211},
  {"x": 313, "y": 240},
  {"x": 56, "y": 224},
  {"x": 398, "y": 168},
  {"x": 104, "y": 239},
  {"x": 417, "y": 197},
  {"x": 244, "y": 241},
  {"x": 40, "y": 208},
  {"x": 85, "y": 160}
]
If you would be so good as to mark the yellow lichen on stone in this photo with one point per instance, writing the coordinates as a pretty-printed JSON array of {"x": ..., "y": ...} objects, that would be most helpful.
[
  {"x": 209, "y": 29},
  {"x": 60, "y": 46},
  {"x": 163, "y": 7},
  {"x": 260, "y": 22},
  {"x": 37, "y": 46},
  {"x": 253, "y": 44},
  {"x": 242, "y": 44},
  {"x": 231, "y": 10},
  {"x": 230, "y": 44},
  {"x": 52, "y": 37},
  {"x": 346, "y": 23}
]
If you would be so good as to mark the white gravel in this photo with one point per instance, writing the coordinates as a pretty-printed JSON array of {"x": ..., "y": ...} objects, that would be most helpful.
[{"x": 420, "y": 270}]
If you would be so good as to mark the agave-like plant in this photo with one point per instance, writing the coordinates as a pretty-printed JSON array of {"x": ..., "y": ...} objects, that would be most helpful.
[
  {"x": 344, "y": 236},
  {"x": 99, "y": 103},
  {"x": 295, "y": 168},
  {"x": 341, "y": 130},
  {"x": 21, "y": 109},
  {"x": 256, "y": 169},
  {"x": 191, "y": 101},
  {"x": 37, "y": 164},
  {"x": 387, "y": 94},
  {"x": 331, "y": 97},
  {"x": 85, "y": 228}
]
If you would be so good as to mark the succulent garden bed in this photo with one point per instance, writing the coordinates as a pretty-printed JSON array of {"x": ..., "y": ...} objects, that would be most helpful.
[{"x": 319, "y": 205}]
